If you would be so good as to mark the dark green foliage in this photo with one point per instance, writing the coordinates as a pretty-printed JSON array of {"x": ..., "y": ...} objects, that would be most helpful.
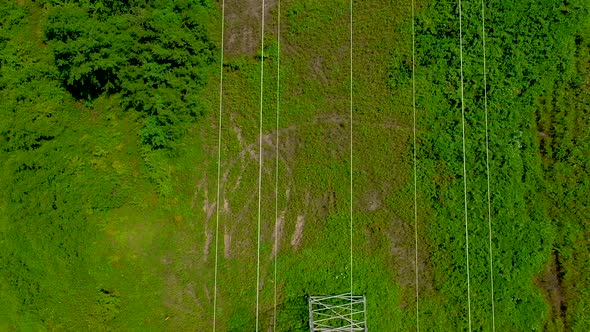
[
  {"x": 155, "y": 51},
  {"x": 45, "y": 229},
  {"x": 530, "y": 56},
  {"x": 152, "y": 134},
  {"x": 101, "y": 224},
  {"x": 154, "y": 58},
  {"x": 63, "y": 168},
  {"x": 12, "y": 17},
  {"x": 88, "y": 53},
  {"x": 562, "y": 116}
]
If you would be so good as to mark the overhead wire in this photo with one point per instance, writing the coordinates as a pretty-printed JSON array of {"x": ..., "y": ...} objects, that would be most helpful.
[
  {"x": 218, "y": 168},
  {"x": 488, "y": 164},
  {"x": 351, "y": 161},
  {"x": 415, "y": 162},
  {"x": 276, "y": 244},
  {"x": 260, "y": 169},
  {"x": 464, "y": 169}
]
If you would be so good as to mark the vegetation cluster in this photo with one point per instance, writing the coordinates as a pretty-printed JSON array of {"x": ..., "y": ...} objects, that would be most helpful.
[
  {"x": 108, "y": 142},
  {"x": 96, "y": 99},
  {"x": 536, "y": 94}
]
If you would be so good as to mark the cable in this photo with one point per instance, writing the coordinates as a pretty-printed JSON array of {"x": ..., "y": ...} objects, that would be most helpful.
[
  {"x": 464, "y": 167},
  {"x": 218, "y": 167},
  {"x": 259, "y": 171},
  {"x": 415, "y": 173},
  {"x": 488, "y": 162},
  {"x": 277, "y": 164},
  {"x": 351, "y": 228}
]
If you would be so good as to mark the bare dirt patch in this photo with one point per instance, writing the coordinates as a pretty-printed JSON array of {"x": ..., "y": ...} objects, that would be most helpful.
[
  {"x": 298, "y": 234},
  {"x": 227, "y": 244},
  {"x": 243, "y": 19},
  {"x": 208, "y": 208},
  {"x": 208, "y": 238},
  {"x": 181, "y": 299},
  {"x": 278, "y": 234},
  {"x": 402, "y": 249},
  {"x": 236, "y": 167},
  {"x": 551, "y": 284},
  {"x": 225, "y": 205},
  {"x": 371, "y": 201},
  {"x": 240, "y": 165},
  {"x": 317, "y": 64}
]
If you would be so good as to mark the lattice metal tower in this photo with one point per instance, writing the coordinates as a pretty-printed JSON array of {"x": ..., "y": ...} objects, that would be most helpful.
[{"x": 337, "y": 313}]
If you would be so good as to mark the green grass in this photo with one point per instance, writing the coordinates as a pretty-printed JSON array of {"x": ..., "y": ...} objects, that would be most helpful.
[
  {"x": 314, "y": 115},
  {"x": 103, "y": 230}
]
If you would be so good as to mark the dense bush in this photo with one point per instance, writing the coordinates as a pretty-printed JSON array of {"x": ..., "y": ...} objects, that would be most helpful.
[
  {"x": 112, "y": 70},
  {"x": 155, "y": 58},
  {"x": 530, "y": 53}
]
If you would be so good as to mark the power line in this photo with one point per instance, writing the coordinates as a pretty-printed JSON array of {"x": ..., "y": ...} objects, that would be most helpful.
[
  {"x": 351, "y": 228},
  {"x": 218, "y": 167},
  {"x": 415, "y": 173},
  {"x": 464, "y": 167},
  {"x": 277, "y": 163},
  {"x": 488, "y": 162},
  {"x": 259, "y": 170}
]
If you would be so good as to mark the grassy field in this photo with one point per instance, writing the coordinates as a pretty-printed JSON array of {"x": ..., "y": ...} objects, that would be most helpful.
[{"x": 108, "y": 202}]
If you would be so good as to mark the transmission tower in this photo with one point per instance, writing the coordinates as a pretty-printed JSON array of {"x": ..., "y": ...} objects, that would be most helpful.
[{"x": 335, "y": 313}]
